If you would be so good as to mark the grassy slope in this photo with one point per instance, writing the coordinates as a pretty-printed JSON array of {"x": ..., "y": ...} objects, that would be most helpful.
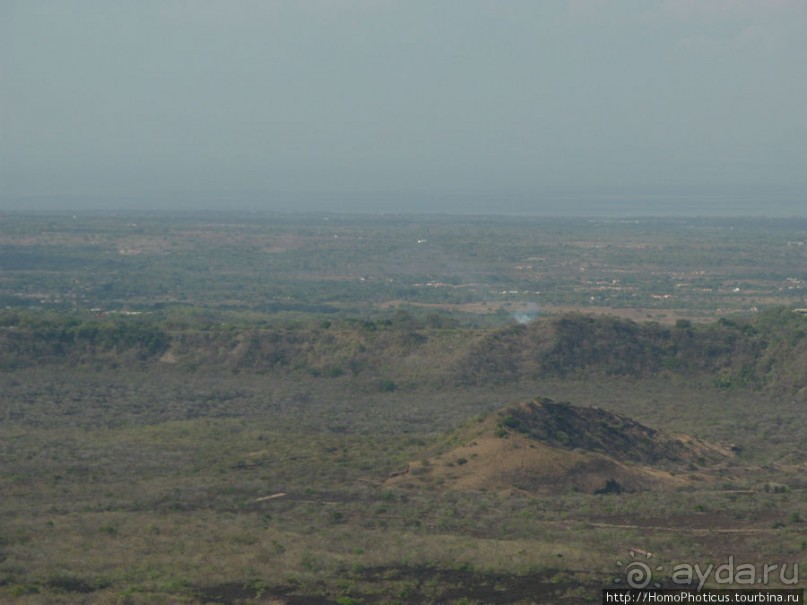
[{"x": 127, "y": 479}]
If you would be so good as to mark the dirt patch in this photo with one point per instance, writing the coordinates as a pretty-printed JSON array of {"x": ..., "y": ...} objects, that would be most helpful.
[
  {"x": 543, "y": 447},
  {"x": 688, "y": 522}
]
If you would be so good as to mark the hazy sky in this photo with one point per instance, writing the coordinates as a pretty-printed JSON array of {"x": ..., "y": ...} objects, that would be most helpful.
[{"x": 406, "y": 104}]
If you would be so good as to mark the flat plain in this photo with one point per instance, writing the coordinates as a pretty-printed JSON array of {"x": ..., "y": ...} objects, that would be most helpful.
[{"x": 250, "y": 408}]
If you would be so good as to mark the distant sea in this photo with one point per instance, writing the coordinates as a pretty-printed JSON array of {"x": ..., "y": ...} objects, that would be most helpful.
[{"x": 761, "y": 204}]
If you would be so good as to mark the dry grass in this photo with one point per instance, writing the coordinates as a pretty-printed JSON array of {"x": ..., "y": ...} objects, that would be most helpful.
[{"x": 123, "y": 485}]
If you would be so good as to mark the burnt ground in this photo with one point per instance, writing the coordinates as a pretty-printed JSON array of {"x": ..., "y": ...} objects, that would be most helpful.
[{"x": 421, "y": 585}]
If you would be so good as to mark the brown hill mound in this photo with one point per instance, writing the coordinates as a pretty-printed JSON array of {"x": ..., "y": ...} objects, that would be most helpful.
[{"x": 543, "y": 447}]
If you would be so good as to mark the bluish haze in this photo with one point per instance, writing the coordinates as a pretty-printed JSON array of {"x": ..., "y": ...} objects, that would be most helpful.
[{"x": 561, "y": 107}]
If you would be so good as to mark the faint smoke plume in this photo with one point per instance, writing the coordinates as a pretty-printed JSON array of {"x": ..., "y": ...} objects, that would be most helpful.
[{"x": 527, "y": 314}]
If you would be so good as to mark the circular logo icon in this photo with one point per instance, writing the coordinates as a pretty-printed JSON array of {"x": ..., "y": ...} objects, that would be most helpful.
[{"x": 638, "y": 574}]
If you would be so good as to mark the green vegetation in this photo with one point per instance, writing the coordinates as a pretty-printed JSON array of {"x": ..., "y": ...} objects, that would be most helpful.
[
  {"x": 202, "y": 410},
  {"x": 766, "y": 352},
  {"x": 259, "y": 265}
]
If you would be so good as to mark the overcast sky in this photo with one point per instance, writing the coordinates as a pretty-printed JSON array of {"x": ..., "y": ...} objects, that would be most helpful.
[{"x": 466, "y": 105}]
